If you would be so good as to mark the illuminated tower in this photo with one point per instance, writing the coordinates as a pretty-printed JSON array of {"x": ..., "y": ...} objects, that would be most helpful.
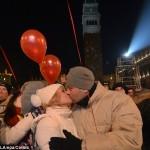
[{"x": 91, "y": 37}]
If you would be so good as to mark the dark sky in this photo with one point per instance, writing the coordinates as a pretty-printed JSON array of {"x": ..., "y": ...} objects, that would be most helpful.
[{"x": 118, "y": 20}]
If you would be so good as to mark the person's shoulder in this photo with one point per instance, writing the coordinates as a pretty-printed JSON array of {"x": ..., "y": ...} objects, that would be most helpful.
[
  {"x": 120, "y": 97},
  {"x": 47, "y": 120},
  {"x": 116, "y": 94}
]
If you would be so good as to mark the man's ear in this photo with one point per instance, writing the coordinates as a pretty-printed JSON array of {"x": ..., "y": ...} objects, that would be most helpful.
[{"x": 86, "y": 92}]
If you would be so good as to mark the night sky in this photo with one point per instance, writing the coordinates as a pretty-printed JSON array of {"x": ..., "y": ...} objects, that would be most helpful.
[{"x": 118, "y": 21}]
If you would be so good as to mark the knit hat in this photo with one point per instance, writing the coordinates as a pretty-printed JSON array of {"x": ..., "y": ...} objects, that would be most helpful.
[
  {"x": 27, "y": 89},
  {"x": 45, "y": 94},
  {"x": 80, "y": 77}
]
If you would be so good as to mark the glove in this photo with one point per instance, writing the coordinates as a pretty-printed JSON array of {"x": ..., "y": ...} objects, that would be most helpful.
[
  {"x": 36, "y": 111},
  {"x": 69, "y": 143},
  {"x": 37, "y": 106}
]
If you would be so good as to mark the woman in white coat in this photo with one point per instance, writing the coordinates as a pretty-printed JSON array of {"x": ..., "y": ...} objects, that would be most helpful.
[
  {"x": 18, "y": 119},
  {"x": 58, "y": 115}
]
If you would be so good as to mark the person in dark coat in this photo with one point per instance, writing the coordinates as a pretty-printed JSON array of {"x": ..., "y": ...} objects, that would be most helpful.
[{"x": 144, "y": 108}]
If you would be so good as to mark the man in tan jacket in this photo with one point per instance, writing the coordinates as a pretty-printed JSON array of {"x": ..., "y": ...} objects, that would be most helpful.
[{"x": 105, "y": 120}]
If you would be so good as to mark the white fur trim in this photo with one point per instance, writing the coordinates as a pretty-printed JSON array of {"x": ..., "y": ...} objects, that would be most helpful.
[
  {"x": 35, "y": 100},
  {"x": 48, "y": 92}
]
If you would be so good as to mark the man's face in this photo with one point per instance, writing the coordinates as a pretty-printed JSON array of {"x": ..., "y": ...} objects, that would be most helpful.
[
  {"x": 76, "y": 94},
  {"x": 131, "y": 92},
  {"x": 3, "y": 93}
]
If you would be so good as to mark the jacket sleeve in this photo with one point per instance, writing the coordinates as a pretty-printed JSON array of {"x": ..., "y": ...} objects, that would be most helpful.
[
  {"x": 14, "y": 134},
  {"x": 45, "y": 129},
  {"x": 125, "y": 132}
]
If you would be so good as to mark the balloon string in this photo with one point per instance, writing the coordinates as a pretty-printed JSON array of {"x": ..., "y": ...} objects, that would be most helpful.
[
  {"x": 6, "y": 59},
  {"x": 74, "y": 31}
]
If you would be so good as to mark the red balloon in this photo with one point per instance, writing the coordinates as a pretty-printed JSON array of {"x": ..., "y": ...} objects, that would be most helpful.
[
  {"x": 33, "y": 44},
  {"x": 50, "y": 68}
]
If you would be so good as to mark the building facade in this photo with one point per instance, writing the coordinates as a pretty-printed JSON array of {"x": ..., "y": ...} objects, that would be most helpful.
[
  {"x": 91, "y": 38},
  {"x": 142, "y": 59},
  {"x": 134, "y": 70}
]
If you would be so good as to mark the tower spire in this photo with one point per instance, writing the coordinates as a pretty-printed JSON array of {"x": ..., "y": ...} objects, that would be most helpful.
[
  {"x": 91, "y": 17},
  {"x": 91, "y": 37}
]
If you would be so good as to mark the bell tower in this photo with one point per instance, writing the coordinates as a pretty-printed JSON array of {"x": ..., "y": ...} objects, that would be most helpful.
[{"x": 91, "y": 37}]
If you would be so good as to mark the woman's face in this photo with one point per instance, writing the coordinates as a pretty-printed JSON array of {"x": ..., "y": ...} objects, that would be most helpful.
[{"x": 61, "y": 98}]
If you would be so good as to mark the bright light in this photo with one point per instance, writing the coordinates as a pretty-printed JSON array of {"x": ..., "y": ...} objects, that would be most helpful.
[
  {"x": 141, "y": 36},
  {"x": 127, "y": 54}
]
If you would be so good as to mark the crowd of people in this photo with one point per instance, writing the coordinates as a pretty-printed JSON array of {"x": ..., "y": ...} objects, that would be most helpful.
[{"x": 78, "y": 113}]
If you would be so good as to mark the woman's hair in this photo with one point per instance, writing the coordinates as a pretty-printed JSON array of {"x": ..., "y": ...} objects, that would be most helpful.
[{"x": 11, "y": 109}]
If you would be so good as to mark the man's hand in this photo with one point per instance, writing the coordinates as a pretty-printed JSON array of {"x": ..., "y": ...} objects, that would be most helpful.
[{"x": 69, "y": 143}]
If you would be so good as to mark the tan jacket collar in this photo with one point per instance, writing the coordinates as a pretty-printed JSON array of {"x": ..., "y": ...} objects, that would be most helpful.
[{"x": 98, "y": 93}]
